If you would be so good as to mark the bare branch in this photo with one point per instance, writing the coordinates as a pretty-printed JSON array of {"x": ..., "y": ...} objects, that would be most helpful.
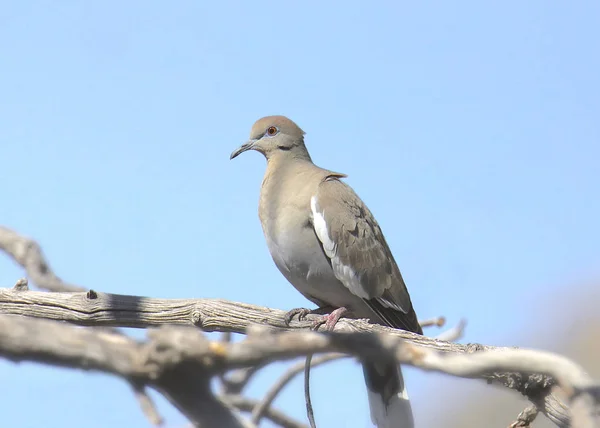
[
  {"x": 234, "y": 382},
  {"x": 186, "y": 385},
  {"x": 454, "y": 333},
  {"x": 29, "y": 255},
  {"x": 98, "y": 309},
  {"x": 179, "y": 361},
  {"x": 237, "y": 380},
  {"x": 101, "y": 309},
  {"x": 114, "y": 310},
  {"x": 437, "y": 322}
]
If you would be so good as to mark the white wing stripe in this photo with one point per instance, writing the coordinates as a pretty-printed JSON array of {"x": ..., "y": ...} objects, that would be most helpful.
[
  {"x": 321, "y": 228},
  {"x": 342, "y": 272},
  {"x": 389, "y": 304}
]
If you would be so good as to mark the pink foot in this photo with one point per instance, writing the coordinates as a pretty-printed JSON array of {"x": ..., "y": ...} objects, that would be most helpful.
[{"x": 330, "y": 320}]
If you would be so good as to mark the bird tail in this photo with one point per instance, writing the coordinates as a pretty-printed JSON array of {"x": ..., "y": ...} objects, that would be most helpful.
[{"x": 388, "y": 399}]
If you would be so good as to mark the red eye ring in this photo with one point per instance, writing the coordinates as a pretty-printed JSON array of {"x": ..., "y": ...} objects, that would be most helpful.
[{"x": 271, "y": 130}]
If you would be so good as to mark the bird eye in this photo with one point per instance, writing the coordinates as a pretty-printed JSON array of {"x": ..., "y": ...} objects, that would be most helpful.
[{"x": 272, "y": 130}]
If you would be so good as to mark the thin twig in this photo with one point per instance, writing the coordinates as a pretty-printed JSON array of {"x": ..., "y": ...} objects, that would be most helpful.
[
  {"x": 236, "y": 381},
  {"x": 433, "y": 322},
  {"x": 526, "y": 417},
  {"x": 310, "y": 413},
  {"x": 29, "y": 255},
  {"x": 454, "y": 333},
  {"x": 146, "y": 403},
  {"x": 290, "y": 373}
]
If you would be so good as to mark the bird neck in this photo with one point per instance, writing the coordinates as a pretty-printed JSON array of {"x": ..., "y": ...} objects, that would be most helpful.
[
  {"x": 282, "y": 164},
  {"x": 289, "y": 154}
]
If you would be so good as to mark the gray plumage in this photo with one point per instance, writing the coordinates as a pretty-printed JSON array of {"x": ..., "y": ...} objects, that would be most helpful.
[{"x": 328, "y": 245}]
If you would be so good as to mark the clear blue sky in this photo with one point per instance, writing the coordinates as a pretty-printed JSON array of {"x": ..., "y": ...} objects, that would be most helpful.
[{"x": 471, "y": 130}]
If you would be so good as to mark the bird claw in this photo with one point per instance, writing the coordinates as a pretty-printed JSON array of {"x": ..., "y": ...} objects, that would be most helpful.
[
  {"x": 301, "y": 312},
  {"x": 329, "y": 320},
  {"x": 318, "y": 323}
]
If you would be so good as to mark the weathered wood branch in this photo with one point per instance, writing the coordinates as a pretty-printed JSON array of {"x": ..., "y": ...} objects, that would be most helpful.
[
  {"x": 186, "y": 385},
  {"x": 28, "y": 253},
  {"x": 526, "y": 371},
  {"x": 180, "y": 361}
]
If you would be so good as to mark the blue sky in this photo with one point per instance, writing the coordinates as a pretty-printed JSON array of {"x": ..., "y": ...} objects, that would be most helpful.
[{"x": 471, "y": 130}]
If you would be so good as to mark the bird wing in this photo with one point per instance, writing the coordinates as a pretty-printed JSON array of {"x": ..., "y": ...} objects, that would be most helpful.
[{"x": 359, "y": 255}]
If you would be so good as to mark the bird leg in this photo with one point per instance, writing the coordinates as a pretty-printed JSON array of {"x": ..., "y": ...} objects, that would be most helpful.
[
  {"x": 303, "y": 312},
  {"x": 330, "y": 320},
  {"x": 289, "y": 315}
]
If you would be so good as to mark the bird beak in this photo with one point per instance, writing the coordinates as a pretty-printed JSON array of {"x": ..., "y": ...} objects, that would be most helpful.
[{"x": 248, "y": 145}]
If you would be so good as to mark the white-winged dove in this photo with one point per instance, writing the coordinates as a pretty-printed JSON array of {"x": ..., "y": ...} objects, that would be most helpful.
[{"x": 328, "y": 245}]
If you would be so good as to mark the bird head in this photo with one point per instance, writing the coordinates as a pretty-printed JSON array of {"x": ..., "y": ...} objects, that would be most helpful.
[{"x": 274, "y": 134}]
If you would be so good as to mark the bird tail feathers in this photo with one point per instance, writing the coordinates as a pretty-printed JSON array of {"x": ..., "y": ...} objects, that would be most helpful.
[{"x": 389, "y": 403}]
